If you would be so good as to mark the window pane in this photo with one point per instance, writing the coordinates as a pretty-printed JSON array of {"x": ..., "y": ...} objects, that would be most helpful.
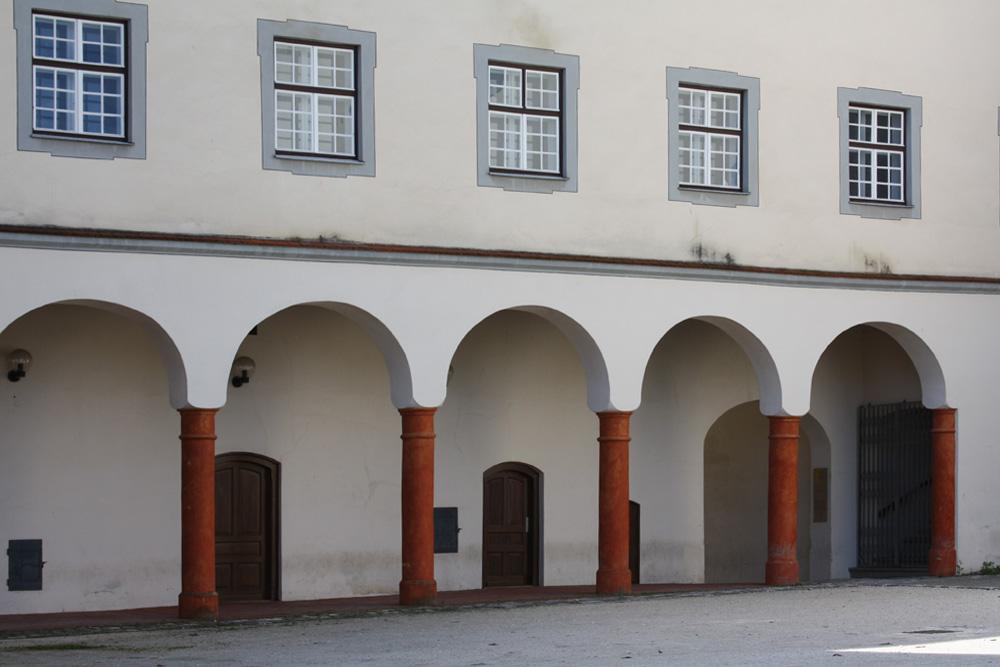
[
  {"x": 282, "y": 63},
  {"x": 505, "y": 86},
  {"x": 541, "y": 90}
]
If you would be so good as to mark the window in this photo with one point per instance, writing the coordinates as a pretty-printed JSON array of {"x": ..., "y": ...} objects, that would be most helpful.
[
  {"x": 81, "y": 77},
  {"x": 876, "y": 154},
  {"x": 317, "y": 98},
  {"x": 879, "y": 153},
  {"x": 526, "y": 118},
  {"x": 713, "y": 137},
  {"x": 709, "y": 138}
]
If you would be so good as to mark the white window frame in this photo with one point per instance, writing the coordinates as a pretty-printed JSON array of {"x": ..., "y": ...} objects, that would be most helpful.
[
  {"x": 876, "y": 154},
  {"x": 76, "y": 68},
  {"x": 717, "y": 125},
  {"x": 315, "y": 92},
  {"x": 514, "y": 147},
  {"x": 546, "y": 178},
  {"x": 898, "y": 147},
  {"x": 356, "y": 160},
  {"x": 126, "y": 105},
  {"x": 684, "y": 130}
]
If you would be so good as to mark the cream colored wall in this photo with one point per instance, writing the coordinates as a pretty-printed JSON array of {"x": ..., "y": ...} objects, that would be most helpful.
[
  {"x": 518, "y": 394},
  {"x": 736, "y": 472},
  {"x": 321, "y": 400},
  {"x": 861, "y": 366},
  {"x": 319, "y": 404},
  {"x": 203, "y": 175},
  {"x": 90, "y": 464},
  {"x": 694, "y": 375}
]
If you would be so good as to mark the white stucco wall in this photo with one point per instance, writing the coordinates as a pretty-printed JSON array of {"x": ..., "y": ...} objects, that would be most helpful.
[
  {"x": 203, "y": 175},
  {"x": 518, "y": 394},
  {"x": 91, "y": 464},
  {"x": 322, "y": 404},
  {"x": 862, "y": 366},
  {"x": 319, "y": 405},
  {"x": 736, "y": 472}
]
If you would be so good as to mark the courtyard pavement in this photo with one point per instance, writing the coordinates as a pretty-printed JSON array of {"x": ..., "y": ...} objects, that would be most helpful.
[{"x": 921, "y": 621}]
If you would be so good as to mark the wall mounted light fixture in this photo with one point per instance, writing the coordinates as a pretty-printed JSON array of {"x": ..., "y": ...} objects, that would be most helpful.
[
  {"x": 243, "y": 369},
  {"x": 17, "y": 364}
]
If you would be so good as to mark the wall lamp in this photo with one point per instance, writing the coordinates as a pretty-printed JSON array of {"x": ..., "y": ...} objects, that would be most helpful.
[
  {"x": 243, "y": 369},
  {"x": 17, "y": 364}
]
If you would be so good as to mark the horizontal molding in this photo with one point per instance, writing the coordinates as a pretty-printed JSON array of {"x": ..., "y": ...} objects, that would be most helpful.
[{"x": 47, "y": 238}]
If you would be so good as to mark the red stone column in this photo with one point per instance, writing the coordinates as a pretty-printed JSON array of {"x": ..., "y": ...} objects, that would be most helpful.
[
  {"x": 941, "y": 557},
  {"x": 198, "y": 598},
  {"x": 613, "y": 575},
  {"x": 418, "y": 585},
  {"x": 782, "y": 502}
]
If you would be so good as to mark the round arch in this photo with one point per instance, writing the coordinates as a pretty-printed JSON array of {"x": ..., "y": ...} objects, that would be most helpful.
[
  {"x": 393, "y": 354},
  {"x": 166, "y": 346},
  {"x": 933, "y": 387},
  {"x": 765, "y": 369},
  {"x": 591, "y": 357}
]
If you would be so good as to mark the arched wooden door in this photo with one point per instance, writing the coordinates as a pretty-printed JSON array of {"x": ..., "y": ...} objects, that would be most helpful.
[
  {"x": 511, "y": 530},
  {"x": 246, "y": 527}
]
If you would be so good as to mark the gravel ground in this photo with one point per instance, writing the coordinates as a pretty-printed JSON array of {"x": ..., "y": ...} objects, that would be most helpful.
[{"x": 912, "y": 622}]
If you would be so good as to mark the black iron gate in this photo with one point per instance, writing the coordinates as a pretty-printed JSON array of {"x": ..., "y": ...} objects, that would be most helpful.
[{"x": 894, "y": 487}]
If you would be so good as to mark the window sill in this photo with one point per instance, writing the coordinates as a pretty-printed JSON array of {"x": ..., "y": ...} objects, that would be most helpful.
[
  {"x": 526, "y": 174},
  {"x": 719, "y": 191},
  {"x": 86, "y": 140},
  {"x": 876, "y": 202},
  {"x": 879, "y": 210},
  {"x": 321, "y": 160}
]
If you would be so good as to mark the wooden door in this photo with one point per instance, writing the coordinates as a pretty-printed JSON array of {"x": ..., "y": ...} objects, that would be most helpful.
[
  {"x": 510, "y": 525},
  {"x": 633, "y": 540},
  {"x": 246, "y": 511}
]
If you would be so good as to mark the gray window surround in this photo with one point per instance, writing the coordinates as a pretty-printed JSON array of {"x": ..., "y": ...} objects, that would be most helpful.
[
  {"x": 137, "y": 34},
  {"x": 914, "y": 120},
  {"x": 569, "y": 66},
  {"x": 749, "y": 193},
  {"x": 322, "y": 33}
]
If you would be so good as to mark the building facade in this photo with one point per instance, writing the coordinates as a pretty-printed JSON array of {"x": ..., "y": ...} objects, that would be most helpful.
[{"x": 600, "y": 292}]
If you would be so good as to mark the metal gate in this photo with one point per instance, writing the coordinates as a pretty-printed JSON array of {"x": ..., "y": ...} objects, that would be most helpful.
[{"x": 894, "y": 487}]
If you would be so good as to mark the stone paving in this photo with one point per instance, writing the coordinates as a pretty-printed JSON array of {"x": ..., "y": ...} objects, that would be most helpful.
[{"x": 861, "y": 622}]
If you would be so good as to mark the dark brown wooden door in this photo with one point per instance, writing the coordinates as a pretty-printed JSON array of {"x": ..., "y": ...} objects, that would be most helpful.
[
  {"x": 633, "y": 540},
  {"x": 246, "y": 527},
  {"x": 510, "y": 525}
]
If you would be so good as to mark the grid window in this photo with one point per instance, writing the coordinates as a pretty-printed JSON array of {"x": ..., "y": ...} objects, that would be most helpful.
[
  {"x": 877, "y": 154},
  {"x": 524, "y": 119},
  {"x": 79, "y": 76},
  {"x": 709, "y": 138},
  {"x": 314, "y": 100}
]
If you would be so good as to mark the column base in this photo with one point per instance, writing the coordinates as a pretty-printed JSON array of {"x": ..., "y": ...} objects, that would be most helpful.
[
  {"x": 942, "y": 562},
  {"x": 418, "y": 592},
  {"x": 781, "y": 572},
  {"x": 614, "y": 582},
  {"x": 198, "y": 605}
]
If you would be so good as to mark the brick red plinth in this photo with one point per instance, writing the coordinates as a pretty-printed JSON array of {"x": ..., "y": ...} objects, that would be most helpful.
[
  {"x": 941, "y": 557},
  {"x": 613, "y": 575},
  {"x": 418, "y": 592},
  {"x": 198, "y": 598},
  {"x": 782, "y": 502},
  {"x": 417, "y": 585},
  {"x": 198, "y": 605}
]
